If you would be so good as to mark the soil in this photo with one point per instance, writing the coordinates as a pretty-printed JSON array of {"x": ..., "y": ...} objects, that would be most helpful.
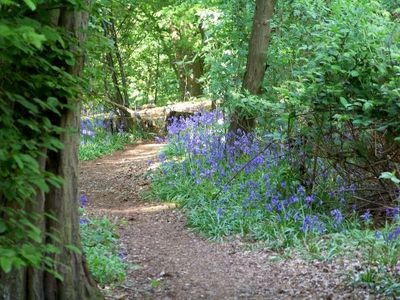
[{"x": 168, "y": 261}]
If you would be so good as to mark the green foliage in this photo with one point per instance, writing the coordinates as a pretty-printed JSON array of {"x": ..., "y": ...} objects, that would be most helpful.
[
  {"x": 227, "y": 27},
  {"x": 101, "y": 144},
  {"x": 344, "y": 59},
  {"x": 102, "y": 250},
  {"x": 35, "y": 88},
  {"x": 334, "y": 78},
  {"x": 160, "y": 41}
]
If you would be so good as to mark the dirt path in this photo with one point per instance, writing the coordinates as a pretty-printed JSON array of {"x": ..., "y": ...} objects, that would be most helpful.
[{"x": 174, "y": 263}]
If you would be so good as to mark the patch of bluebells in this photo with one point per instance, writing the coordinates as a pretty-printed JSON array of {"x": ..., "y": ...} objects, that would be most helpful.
[
  {"x": 89, "y": 128},
  {"x": 257, "y": 173}
]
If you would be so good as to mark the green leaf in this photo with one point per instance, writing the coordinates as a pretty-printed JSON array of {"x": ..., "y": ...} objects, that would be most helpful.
[
  {"x": 73, "y": 249},
  {"x": 18, "y": 160},
  {"x": 50, "y": 248},
  {"x": 4, "y": 252},
  {"x": 354, "y": 73},
  {"x": 31, "y": 254},
  {"x": 3, "y": 227},
  {"x": 367, "y": 106},
  {"x": 390, "y": 176},
  {"x": 30, "y": 4},
  {"x": 6, "y": 264},
  {"x": 41, "y": 184},
  {"x": 344, "y": 102},
  {"x": 55, "y": 274}
]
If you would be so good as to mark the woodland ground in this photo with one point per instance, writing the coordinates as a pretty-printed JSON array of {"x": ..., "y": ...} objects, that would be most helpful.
[{"x": 171, "y": 262}]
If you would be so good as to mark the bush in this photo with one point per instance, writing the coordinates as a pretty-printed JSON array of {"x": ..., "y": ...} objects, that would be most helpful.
[{"x": 335, "y": 74}]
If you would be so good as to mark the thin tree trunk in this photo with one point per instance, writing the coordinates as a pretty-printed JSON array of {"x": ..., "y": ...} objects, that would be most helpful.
[
  {"x": 120, "y": 64},
  {"x": 256, "y": 62},
  {"x": 61, "y": 202},
  {"x": 157, "y": 77},
  {"x": 125, "y": 122}
]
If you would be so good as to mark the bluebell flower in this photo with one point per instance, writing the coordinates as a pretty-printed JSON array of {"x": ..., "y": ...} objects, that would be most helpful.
[
  {"x": 301, "y": 190},
  {"x": 337, "y": 217},
  {"x": 83, "y": 200},
  {"x": 122, "y": 255},
  {"x": 393, "y": 235},
  {"x": 161, "y": 157},
  {"x": 396, "y": 213},
  {"x": 366, "y": 216},
  {"x": 220, "y": 212}
]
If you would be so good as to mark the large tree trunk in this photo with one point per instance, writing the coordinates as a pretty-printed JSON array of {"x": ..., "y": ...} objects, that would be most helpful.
[
  {"x": 256, "y": 61},
  {"x": 62, "y": 203}
]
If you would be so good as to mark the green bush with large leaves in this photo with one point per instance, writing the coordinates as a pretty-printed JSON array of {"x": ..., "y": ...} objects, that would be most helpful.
[{"x": 334, "y": 71}]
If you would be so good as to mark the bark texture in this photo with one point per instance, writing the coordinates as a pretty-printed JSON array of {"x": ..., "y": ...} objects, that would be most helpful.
[
  {"x": 62, "y": 203},
  {"x": 256, "y": 61}
]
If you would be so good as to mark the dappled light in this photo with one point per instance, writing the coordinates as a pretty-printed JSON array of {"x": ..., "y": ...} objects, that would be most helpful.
[{"x": 140, "y": 209}]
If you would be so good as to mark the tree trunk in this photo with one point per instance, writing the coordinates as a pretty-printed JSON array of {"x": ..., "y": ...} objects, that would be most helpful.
[
  {"x": 62, "y": 203},
  {"x": 125, "y": 121},
  {"x": 256, "y": 61},
  {"x": 155, "y": 101},
  {"x": 120, "y": 64},
  {"x": 196, "y": 70},
  {"x": 188, "y": 67}
]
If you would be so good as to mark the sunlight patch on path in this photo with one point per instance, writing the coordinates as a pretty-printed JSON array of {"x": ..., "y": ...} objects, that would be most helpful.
[{"x": 140, "y": 209}]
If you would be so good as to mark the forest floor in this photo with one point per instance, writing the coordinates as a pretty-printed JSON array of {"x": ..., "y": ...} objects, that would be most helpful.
[{"x": 168, "y": 261}]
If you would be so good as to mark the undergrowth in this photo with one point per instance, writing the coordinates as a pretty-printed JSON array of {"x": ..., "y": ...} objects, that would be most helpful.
[
  {"x": 97, "y": 140},
  {"x": 252, "y": 185},
  {"x": 102, "y": 249},
  {"x": 102, "y": 144}
]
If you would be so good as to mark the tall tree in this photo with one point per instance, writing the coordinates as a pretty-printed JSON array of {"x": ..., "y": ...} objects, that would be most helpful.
[
  {"x": 40, "y": 110},
  {"x": 256, "y": 61}
]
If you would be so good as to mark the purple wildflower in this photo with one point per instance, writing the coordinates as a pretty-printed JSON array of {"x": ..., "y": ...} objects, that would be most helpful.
[
  {"x": 337, "y": 217},
  {"x": 83, "y": 199},
  {"x": 366, "y": 216}
]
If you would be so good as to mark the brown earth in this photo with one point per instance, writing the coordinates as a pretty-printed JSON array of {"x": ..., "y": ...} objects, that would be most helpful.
[{"x": 168, "y": 261}]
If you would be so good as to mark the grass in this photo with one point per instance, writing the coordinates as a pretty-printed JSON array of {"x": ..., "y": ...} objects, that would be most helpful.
[{"x": 101, "y": 144}]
